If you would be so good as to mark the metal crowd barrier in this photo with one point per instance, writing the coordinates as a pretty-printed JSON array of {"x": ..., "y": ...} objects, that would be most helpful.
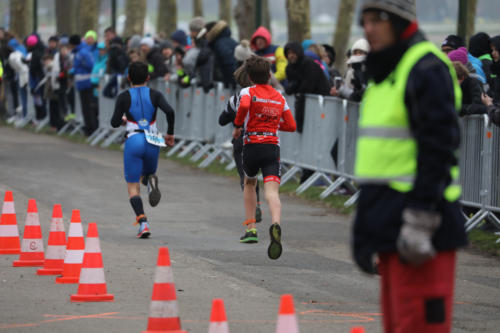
[{"x": 327, "y": 121}]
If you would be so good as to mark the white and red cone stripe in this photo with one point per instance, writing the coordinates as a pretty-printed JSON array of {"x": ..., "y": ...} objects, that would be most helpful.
[
  {"x": 32, "y": 253},
  {"x": 56, "y": 247},
  {"x": 287, "y": 321},
  {"x": 92, "y": 284},
  {"x": 9, "y": 233},
  {"x": 75, "y": 249},
  {"x": 218, "y": 320}
]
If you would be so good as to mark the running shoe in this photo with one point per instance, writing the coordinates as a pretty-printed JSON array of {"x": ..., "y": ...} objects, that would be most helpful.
[
  {"x": 258, "y": 214},
  {"x": 154, "y": 192},
  {"x": 274, "y": 250},
  {"x": 250, "y": 236},
  {"x": 144, "y": 231}
]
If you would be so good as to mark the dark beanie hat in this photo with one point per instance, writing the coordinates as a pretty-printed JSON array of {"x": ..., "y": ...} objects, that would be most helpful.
[
  {"x": 453, "y": 41},
  {"x": 75, "y": 40},
  {"x": 479, "y": 44},
  {"x": 180, "y": 37}
]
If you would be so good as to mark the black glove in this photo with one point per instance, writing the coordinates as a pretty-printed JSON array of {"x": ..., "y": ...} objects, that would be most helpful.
[{"x": 365, "y": 261}]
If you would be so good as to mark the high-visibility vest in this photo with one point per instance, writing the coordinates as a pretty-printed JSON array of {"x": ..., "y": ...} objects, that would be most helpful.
[
  {"x": 1, "y": 69},
  {"x": 386, "y": 150}
]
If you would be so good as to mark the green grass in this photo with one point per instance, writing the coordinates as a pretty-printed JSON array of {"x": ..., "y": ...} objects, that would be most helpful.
[{"x": 484, "y": 241}]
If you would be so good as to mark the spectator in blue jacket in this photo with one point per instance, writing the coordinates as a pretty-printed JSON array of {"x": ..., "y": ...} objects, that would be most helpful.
[
  {"x": 83, "y": 63},
  {"x": 453, "y": 42},
  {"x": 90, "y": 39}
]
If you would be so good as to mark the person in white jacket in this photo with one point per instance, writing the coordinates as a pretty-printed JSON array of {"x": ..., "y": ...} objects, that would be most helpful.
[{"x": 18, "y": 64}]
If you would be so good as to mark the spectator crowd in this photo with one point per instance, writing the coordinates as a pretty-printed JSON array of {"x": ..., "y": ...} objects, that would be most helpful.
[{"x": 53, "y": 72}]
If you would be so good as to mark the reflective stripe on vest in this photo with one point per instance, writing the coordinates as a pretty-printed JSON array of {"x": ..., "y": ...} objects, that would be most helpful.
[{"x": 386, "y": 150}]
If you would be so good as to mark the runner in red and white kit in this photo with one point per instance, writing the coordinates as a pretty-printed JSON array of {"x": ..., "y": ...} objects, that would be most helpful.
[{"x": 263, "y": 111}]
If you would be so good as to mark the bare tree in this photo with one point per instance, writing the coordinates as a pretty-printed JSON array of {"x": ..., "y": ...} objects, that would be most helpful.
[
  {"x": 21, "y": 12},
  {"x": 343, "y": 31},
  {"x": 266, "y": 15},
  {"x": 244, "y": 15},
  {"x": 466, "y": 18},
  {"x": 197, "y": 8},
  {"x": 225, "y": 11},
  {"x": 88, "y": 13},
  {"x": 299, "y": 21},
  {"x": 66, "y": 17},
  {"x": 135, "y": 12},
  {"x": 167, "y": 17}
]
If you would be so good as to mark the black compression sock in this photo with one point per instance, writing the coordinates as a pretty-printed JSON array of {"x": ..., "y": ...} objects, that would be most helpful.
[{"x": 136, "y": 203}]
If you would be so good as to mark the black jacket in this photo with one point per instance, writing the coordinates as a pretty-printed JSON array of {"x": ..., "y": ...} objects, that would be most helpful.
[
  {"x": 495, "y": 70},
  {"x": 220, "y": 41},
  {"x": 304, "y": 76},
  {"x": 156, "y": 59},
  {"x": 471, "y": 97},
  {"x": 434, "y": 124}
]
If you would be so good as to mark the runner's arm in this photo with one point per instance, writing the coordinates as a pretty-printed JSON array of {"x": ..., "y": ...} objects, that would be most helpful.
[
  {"x": 243, "y": 108},
  {"x": 160, "y": 101},
  {"x": 288, "y": 124},
  {"x": 121, "y": 106}
]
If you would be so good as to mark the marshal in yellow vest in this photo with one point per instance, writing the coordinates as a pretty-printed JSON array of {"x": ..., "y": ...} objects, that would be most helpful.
[{"x": 386, "y": 150}]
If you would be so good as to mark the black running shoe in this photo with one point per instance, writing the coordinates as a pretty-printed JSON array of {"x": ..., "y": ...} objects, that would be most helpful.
[
  {"x": 250, "y": 236},
  {"x": 274, "y": 250},
  {"x": 154, "y": 192},
  {"x": 258, "y": 214}
]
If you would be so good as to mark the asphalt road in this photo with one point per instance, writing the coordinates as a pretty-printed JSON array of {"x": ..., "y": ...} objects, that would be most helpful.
[{"x": 199, "y": 219}]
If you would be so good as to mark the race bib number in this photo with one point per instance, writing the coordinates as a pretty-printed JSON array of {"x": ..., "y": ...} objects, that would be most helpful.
[{"x": 155, "y": 138}]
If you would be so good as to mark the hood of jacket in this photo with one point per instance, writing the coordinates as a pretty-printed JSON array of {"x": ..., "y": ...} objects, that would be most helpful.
[
  {"x": 479, "y": 44},
  {"x": 296, "y": 48},
  {"x": 16, "y": 46},
  {"x": 261, "y": 32},
  {"x": 217, "y": 29}
]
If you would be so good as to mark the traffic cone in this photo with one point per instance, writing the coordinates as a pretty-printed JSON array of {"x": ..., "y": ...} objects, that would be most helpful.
[
  {"x": 163, "y": 312},
  {"x": 287, "y": 322},
  {"x": 218, "y": 320},
  {"x": 56, "y": 247},
  {"x": 358, "y": 329},
  {"x": 92, "y": 286},
  {"x": 75, "y": 248},
  {"x": 9, "y": 234},
  {"x": 32, "y": 244}
]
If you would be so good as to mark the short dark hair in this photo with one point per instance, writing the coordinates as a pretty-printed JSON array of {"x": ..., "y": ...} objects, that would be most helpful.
[
  {"x": 75, "y": 40},
  {"x": 138, "y": 72},
  {"x": 110, "y": 29},
  {"x": 258, "y": 69}
]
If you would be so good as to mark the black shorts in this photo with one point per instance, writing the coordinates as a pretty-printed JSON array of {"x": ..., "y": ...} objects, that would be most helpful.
[{"x": 264, "y": 157}]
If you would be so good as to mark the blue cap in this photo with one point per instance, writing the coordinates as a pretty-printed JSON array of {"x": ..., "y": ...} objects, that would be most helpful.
[{"x": 101, "y": 45}]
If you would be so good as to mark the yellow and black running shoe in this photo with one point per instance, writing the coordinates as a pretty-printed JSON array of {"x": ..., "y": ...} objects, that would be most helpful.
[
  {"x": 250, "y": 236},
  {"x": 274, "y": 250}
]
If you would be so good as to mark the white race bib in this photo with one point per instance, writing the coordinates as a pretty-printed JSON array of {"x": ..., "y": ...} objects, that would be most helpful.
[{"x": 155, "y": 138}]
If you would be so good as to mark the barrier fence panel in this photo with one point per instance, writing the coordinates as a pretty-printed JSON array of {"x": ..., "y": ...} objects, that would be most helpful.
[
  {"x": 471, "y": 159},
  {"x": 327, "y": 120}
]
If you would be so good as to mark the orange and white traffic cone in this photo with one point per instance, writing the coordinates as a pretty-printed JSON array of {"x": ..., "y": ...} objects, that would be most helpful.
[
  {"x": 92, "y": 285},
  {"x": 75, "y": 248},
  {"x": 287, "y": 322},
  {"x": 358, "y": 329},
  {"x": 218, "y": 320},
  {"x": 32, "y": 244},
  {"x": 9, "y": 234},
  {"x": 56, "y": 247},
  {"x": 164, "y": 311}
]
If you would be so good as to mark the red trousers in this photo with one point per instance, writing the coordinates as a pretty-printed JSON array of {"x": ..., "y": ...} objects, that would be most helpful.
[{"x": 417, "y": 298}]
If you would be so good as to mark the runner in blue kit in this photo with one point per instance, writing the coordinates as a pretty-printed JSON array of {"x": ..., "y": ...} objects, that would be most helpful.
[{"x": 136, "y": 108}]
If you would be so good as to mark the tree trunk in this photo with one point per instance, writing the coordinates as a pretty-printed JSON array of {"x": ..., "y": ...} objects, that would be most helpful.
[
  {"x": 197, "y": 8},
  {"x": 66, "y": 17},
  {"x": 88, "y": 12},
  {"x": 167, "y": 17},
  {"x": 21, "y": 12},
  {"x": 244, "y": 15},
  {"x": 225, "y": 12},
  {"x": 135, "y": 12},
  {"x": 466, "y": 19},
  {"x": 266, "y": 15},
  {"x": 299, "y": 21},
  {"x": 343, "y": 31}
]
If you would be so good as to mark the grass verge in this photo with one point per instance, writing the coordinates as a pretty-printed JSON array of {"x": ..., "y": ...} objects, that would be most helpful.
[{"x": 485, "y": 242}]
